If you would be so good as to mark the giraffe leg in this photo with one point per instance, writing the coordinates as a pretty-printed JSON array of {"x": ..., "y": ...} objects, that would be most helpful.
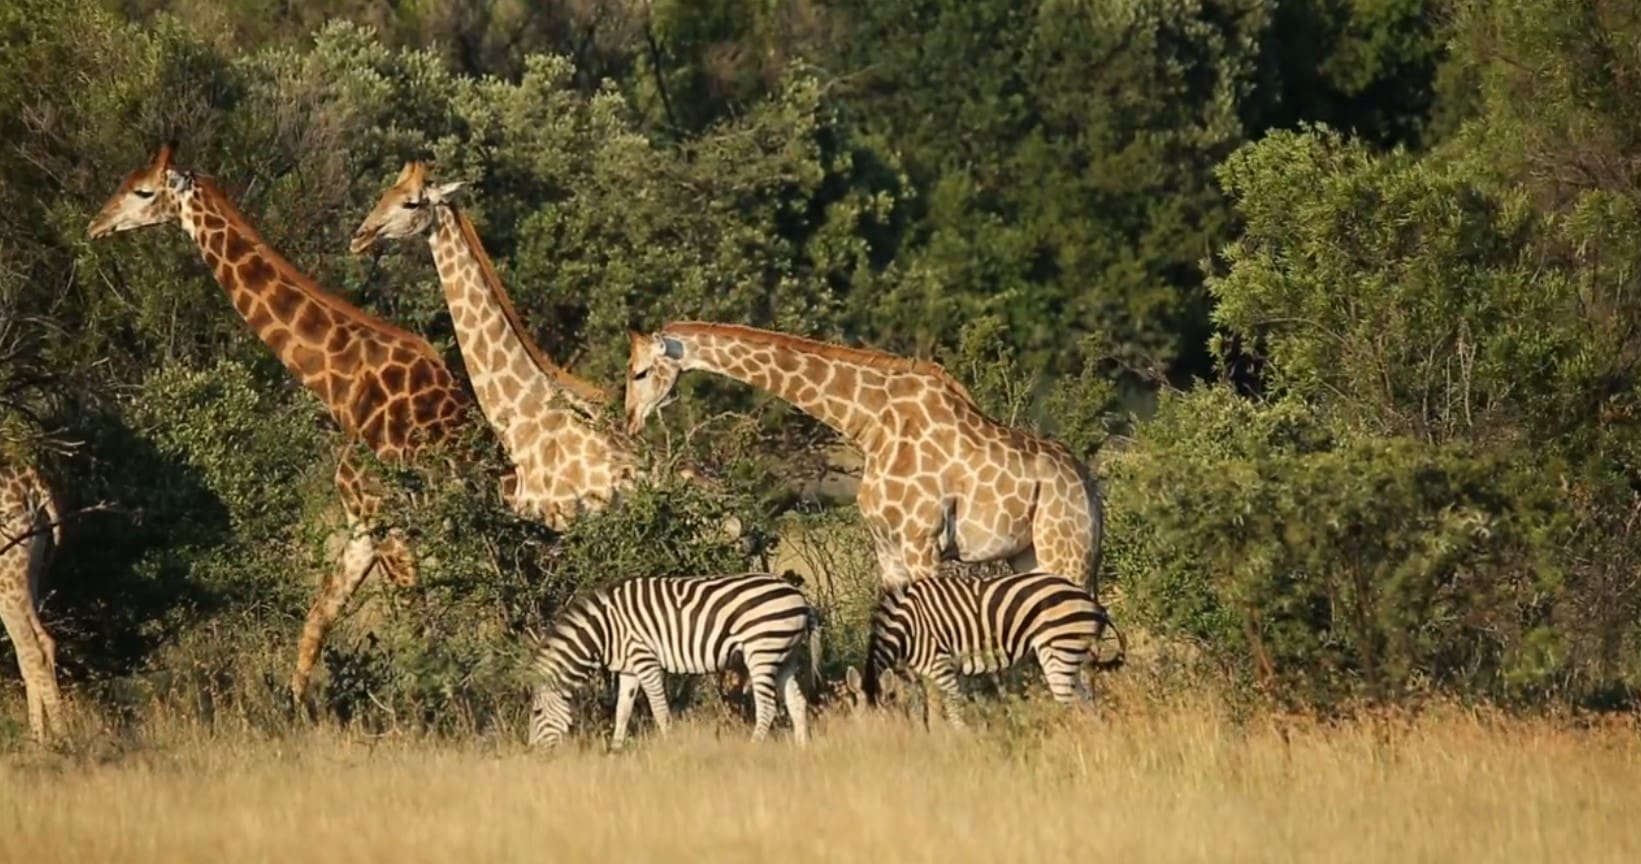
[
  {"x": 797, "y": 708},
  {"x": 626, "y": 694},
  {"x": 651, "y": 677},
  {"x": 398, "y": 563},
  {"x": 891, "y": 565},
  {"x": 339, "y": 588},
  {"x": 50, "y": 696},
  {"x": 33, "y": 664},
  {"x": 920, "y": 557},
  {"x": 761, "y": 670}
]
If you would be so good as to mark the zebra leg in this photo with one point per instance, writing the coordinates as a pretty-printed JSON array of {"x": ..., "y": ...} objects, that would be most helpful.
[
  {"x": 655, "y": 693},
  {"x": 1063, "y": 671},
  {"x": 944, "y": 675},
  {"x": 786, "y": 681},
  {"x": 763, "y": 695},
  {"x": 626, "y": 694}
]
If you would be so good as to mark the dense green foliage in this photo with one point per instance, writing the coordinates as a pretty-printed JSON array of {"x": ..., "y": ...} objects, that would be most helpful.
[{"x": 1371, "y": 262}]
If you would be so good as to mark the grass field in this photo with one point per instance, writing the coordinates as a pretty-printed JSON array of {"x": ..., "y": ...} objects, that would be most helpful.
[{"x": 1166, "y": 782}]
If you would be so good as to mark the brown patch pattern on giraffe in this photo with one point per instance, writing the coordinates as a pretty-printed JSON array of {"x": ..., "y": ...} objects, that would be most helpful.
[
  {"x": 344, "y": 356},
  {"x": 940, "y": 479},
  {"x": 28, "y": 516},
  {"x": 567, "y": 459}
]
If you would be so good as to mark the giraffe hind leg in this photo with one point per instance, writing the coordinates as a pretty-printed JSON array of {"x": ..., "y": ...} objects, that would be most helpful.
[{"x": 34, "y": 665}]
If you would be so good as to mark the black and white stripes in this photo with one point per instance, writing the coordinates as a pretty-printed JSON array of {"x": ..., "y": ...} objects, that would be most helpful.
[
  {"x": 643, "y": 627},
  {"x": 949, "y": 626}
]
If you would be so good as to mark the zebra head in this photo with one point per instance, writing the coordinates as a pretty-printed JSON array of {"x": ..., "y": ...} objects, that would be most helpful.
[
  {"x": 887, "y": 646},
  {"x": 549, "y": 715}
]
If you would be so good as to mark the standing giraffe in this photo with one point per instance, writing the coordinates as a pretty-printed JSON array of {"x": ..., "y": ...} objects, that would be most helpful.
[
  {"x": 28, "y": 514},
  {"x": 568, "y": 461},
  {"x": 941, "y": 480},
  {"x": 384, "y": 386}
]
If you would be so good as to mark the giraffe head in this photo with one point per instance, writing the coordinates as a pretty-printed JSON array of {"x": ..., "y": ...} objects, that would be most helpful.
[
  {"x": 147, "y": 196},
  {"x": 653, "y": 364},
  {"x": 405, "y": 209}
]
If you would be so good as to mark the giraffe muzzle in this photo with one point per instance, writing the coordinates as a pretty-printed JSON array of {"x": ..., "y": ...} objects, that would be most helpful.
[{"x": 362, "y": 240}]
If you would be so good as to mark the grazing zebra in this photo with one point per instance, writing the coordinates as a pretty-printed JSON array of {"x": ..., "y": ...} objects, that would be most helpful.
[
  {"x": 947, "y": 626},
  {"x": 645, "y": 626}
]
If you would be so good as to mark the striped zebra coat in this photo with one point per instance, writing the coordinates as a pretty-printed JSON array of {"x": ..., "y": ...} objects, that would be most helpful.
[
  {"x": 948, "y": 626},
  {"x": 643, "y": 627}
]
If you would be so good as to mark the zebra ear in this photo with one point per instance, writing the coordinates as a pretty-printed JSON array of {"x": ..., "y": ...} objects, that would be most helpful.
[{"x": 851, "y": 679}]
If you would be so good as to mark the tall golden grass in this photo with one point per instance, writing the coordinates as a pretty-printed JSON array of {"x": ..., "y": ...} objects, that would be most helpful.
[{"x": 1136, "y": 780}]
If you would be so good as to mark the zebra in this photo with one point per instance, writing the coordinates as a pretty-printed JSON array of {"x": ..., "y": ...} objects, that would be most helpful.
[
  {"x": 945, "y": 626},
  {"x": 642, "y": 627}
]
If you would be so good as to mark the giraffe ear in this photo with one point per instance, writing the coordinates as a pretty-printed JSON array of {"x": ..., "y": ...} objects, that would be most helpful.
[
  {"x": 672, "y": 348},
  {"x": 443, "y": 191}
]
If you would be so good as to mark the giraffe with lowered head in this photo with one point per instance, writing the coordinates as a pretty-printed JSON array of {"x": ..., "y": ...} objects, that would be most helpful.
[
  {"x": 384, "y": 386},
  {"x": 940, "y": 480},
  {"x": 550, "y": 422},
  {"x": 29, "y": 526}
]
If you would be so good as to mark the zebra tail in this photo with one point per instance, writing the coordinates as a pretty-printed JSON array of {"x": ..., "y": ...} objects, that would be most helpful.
[{"x": 1121, "y": 657}]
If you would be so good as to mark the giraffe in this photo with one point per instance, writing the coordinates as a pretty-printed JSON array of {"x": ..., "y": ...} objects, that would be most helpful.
[
  {"x": 385, "y": 387},
  {"x": 568, "y": 461},
  {"x": 29, "y": 514},
  {"x": 940, "y": 479},
  {"x": 550, "y": 422}
]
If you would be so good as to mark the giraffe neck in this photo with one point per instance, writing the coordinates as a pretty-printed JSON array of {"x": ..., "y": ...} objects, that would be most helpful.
[
  {"x": 796, "y": 370},
  {"x": 322, "y": 339},
  {"x": 505, "y": 364}
]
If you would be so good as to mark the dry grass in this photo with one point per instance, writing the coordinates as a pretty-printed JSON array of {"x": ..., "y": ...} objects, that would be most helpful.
[{"x": 1160, "y": 783}]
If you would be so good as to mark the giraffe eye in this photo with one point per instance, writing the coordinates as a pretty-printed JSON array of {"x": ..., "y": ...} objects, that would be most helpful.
[
  {"x": 413, "y": 204},
  {"x": 639, "y": 375},
  {"x": 143, "y": 193}
]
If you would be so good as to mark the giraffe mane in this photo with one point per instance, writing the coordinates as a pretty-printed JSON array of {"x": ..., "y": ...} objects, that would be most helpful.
[
  {"x": 302, "y": 281},
  {"x": 870, "y": 358},
  {"x": 492, "y": 283}
]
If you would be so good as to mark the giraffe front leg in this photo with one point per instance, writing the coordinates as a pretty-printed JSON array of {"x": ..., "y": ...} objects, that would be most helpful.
[
  {"x": 338, "y": 589},
  {"x": 652, "y": 678},
  {"x": 920, "y": 557},
  {"x": 626, "y": 694}
]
